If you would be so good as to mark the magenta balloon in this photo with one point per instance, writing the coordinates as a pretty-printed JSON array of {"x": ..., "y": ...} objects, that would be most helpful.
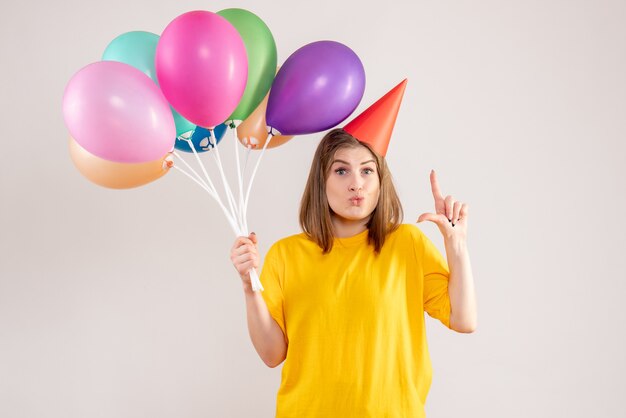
[
  {"x": 117, "y": 113},
  {"x": 318, "y": 87},
  {"x": 202, "y": 67}
]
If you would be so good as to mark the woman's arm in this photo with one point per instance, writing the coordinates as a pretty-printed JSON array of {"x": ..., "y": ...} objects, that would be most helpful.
[
  {"x": 461, "y": 287},
  {"x": 267, "y": 337},
  {"x": 451, "y": 219}
]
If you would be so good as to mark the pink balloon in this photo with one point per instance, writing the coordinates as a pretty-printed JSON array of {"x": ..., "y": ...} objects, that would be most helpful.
[
  {"x": 117, "y": 113},
  {"x": 202, "y": 67}
]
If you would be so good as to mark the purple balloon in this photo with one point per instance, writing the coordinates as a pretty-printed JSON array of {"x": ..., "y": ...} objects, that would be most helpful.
[{"x": 317, "y": 88}]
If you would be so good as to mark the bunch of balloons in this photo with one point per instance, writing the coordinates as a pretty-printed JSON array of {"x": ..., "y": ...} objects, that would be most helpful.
[{"x": 152, "y": 96}]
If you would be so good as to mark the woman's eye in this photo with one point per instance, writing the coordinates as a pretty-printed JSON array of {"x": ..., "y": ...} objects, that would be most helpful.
[
  {"x": 368, "y": 170},
  {"x": 340, "y": 171}
]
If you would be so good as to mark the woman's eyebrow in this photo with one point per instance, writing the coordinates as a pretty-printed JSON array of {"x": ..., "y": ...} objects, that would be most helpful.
[{"x": 347, "y": 163}]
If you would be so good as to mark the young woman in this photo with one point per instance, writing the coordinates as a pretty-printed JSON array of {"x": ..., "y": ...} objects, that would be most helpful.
[{"x": 344, "y": 301}]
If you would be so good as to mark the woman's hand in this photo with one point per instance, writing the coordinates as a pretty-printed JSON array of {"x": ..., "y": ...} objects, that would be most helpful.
[
  {"x": 451, "y": 215},
  {"x": 266, "y": 335},
  {"x": 245, "y": 256}
]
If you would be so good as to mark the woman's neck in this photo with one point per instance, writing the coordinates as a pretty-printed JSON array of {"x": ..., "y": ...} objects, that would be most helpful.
[{"x": 344, "y": 228}]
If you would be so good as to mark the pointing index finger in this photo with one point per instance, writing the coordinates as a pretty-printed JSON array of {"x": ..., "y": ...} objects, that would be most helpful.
[{"x": 434, "y": 185}]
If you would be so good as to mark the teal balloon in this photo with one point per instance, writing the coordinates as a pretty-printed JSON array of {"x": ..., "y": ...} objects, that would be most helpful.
[
  {"x": 137, "y": 49},
  {"x": 262, "y": 58},
  {"x": 182, "y": 124},
  {"x": 201, "y": 139}
]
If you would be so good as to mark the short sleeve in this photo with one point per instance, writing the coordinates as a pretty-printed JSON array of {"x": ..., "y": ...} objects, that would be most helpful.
[
  {"x": 271, "y": 278},
  {"x": 436, "y": 277}
]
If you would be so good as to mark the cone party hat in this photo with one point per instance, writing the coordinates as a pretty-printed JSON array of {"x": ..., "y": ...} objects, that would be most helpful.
[{"x": 375, "y": 124}]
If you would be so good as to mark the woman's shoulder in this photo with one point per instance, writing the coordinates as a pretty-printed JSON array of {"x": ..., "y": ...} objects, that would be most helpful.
[
  {"x": 406, "y": 235},
  {"x": 291, "y": 242},
  {"x": 407, "y": 231},
  {"x": 291, "y": 239}
]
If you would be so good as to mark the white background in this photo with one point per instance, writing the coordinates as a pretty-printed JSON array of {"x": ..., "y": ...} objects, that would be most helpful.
[{"x": 125, "y": 304}]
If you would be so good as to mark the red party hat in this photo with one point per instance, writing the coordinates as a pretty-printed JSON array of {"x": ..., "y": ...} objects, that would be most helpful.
[{"x": 375, "y": 124}]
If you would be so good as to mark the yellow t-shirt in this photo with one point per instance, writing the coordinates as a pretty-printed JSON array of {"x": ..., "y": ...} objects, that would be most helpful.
[{"x": 354, "y": 323}]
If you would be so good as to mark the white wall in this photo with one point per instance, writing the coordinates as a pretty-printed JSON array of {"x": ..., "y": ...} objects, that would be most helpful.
[{"x": 125, "y": 304}]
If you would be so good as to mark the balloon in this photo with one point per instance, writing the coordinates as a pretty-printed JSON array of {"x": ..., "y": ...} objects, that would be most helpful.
[
  {"x": 318, "y": 86},
  {"x": 138, "y": 49},
  {"x": 202, "y": 67},
  {"x": 117, "y": 175},
  {"x": 262, "y": 57},
  {"x": 201, "y": 139},
  {"x": 253, "y": 130},
  {"x": 183, "y": 126},
  {"x": 135, "y": 48},
  {"x": 117, "y": 113}
]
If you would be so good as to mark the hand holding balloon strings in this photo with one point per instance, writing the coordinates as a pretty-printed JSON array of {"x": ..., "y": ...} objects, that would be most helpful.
[{"x": 236, "y": 213}]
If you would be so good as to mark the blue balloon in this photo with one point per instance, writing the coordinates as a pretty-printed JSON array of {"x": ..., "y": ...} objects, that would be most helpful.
[{"x": 201, "y": 139}]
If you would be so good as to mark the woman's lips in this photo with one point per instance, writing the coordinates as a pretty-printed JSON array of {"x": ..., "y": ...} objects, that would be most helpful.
[{"x": 356, "y": 200}]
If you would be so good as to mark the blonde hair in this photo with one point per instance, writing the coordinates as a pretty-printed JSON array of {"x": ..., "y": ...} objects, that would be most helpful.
[{"x": 315, "y": 212}]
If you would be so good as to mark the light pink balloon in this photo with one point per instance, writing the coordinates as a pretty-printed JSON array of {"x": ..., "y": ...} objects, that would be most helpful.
[
  {"x": 117, "y": 113},
  {"x": 202, "y": 67}
]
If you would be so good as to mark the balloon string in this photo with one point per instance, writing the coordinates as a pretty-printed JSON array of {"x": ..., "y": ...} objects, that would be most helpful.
[
  {"x": 229, "y": 194},
  {"x": 191, "y": 169},
  {"x": 243, "y": 172},
  {"x": 245, "y": 164},
  {"x": 236, "y": 219},
  {"x": 196, "y": 180},
  {"x": 195, "y": 153},
  {"x": 256, "y": 167},
  {"x": 210, "y": 183},
  {"x": 254, "y": 276},
  {"x": 230, "y": 220},
  {"x": 256, "y": 282},
  {"x": 242, "y": 221}
]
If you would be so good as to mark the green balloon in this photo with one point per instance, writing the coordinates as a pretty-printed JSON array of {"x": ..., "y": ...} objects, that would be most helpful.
[
  {"x": 262, "y": 58},
  {"x": 137, "y": 49}
]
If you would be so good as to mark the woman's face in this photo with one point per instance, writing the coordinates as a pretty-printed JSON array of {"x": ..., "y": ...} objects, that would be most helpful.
[{"x": 352, "y": 186}]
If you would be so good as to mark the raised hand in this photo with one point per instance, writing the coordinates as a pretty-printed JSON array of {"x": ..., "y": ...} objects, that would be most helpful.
[{"x": 450, "y": 215}]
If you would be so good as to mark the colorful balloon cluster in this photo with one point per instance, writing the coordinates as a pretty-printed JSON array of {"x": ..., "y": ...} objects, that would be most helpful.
[{"x": 153, "y": 94}]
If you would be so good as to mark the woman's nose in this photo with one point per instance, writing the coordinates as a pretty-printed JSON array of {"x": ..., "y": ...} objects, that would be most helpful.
[{"x": 355, "y": 186}]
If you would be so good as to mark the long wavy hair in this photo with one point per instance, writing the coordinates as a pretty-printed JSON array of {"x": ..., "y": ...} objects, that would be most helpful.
[{"x": 315, "y": 211}]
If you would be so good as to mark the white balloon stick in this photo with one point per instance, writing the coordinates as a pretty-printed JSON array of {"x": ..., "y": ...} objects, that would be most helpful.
[
  {"x": 191, "y": 169},
  {"x": 229, "y": 194},
  {"x": 195, "y": 153},
  {"x": 230, "y": 220},
  {"x": 239, "y": 180},
  {"x": 256, "y": 167}
]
